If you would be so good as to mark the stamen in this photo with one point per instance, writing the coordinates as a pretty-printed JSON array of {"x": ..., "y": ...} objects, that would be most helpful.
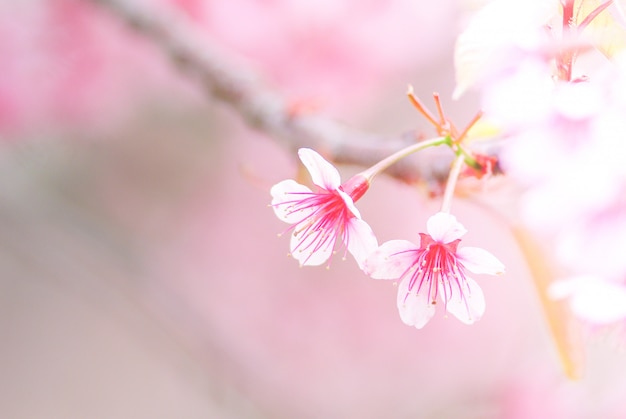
[
  {"x": 442, "y": 117},
  {"x": 421, "y": 108},
  {"x": 469, "y": 126}
]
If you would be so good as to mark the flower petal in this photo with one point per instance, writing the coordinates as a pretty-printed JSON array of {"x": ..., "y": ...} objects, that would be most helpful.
[
  {"x": 312, "y": 249},
  {"x": 285, "y": 194},
  {"x": 360, "y": 240},
  {"x": 497, "y": 24},
  {"x": 415, "y": 309},
  {"x": 391, "y": 259},
  {"x": 349, "y": 203},
  {"x": 323, "y": 174},
  {"x": 479, "y": 261},
  {"x": 592, "y": 299},
  {"x": 467, "y": 304},
  {"x": 444, "y": 227}
]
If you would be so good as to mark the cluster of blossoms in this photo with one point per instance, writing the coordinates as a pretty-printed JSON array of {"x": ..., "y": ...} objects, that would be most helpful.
[
  {"x": 553, "y": 80},
  {"x": 326, "y": 220},
  {"x": 552, "y": 76}
]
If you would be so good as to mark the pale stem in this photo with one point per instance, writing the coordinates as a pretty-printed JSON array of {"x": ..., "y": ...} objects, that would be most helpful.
[
  {"x": 400, "y": 154},
  {"x": 455, "y": 171},
  {"x": 565, "y": 331}
]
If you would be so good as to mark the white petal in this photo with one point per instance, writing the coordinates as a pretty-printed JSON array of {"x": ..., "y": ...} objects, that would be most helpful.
[
  {"x": 349, "y": 203},
  {"x": 286, "y": 192},
  {"x": 309, "y": 249},
  {"x": 391, "y": 259},
  {"x": 479, "y": 261},
  {"x": 415, "y": 309},
  {"x": 592, "y": 299},
  {"x": 361, "y": 241},
  {"x": 444, "y": 227},
  {"x": 499, "y": 24},
  {"x": 323, "y": 173},
  {"x": 468, "y": 304}
]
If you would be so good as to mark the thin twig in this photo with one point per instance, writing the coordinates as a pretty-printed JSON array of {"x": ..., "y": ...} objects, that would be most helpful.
[{"x": 225, "y": 78}]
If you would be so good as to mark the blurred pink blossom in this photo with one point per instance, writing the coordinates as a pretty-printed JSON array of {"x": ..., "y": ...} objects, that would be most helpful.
[
  {"x": 569, "y": 160},
  {"x": 593, "y": 298},
  {"x": 563, "y": 146},
  {"x": 68, "y": 63},
  {"x": 327, "y": 51}
]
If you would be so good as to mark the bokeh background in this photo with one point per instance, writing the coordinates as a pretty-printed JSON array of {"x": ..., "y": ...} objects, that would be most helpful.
[{"x": 140, "y": 271}]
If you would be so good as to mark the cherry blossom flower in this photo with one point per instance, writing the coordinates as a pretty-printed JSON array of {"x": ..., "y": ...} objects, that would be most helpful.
[
  {"x": 327, "y": 218},
  {"x": 435, "y": 268}
]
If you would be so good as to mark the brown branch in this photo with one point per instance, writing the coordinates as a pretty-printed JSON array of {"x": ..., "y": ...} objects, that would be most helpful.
[{"x": 231, "y": 82}]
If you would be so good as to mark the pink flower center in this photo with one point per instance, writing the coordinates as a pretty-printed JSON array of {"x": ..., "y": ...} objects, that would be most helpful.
[
  {"x": 325, "y": 223},
  {"x": 327, "y": 216},
  {"x": 436, "y": 269}
]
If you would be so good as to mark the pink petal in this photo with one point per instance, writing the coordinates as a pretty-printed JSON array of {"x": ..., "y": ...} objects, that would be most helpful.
[
  {"x": 444, "y": 228},
  {"x": 309, "y": 249},
  {"x": 361, "y": 241},
  {"x": 283, "y": 194},
  {"x": 468, "y": 304},
  {"x": 391, "y": 260},
  {"x": 322, "y": 173},
  {"x": 479, "y": 261},
  {"x": 415, "y": 309}
]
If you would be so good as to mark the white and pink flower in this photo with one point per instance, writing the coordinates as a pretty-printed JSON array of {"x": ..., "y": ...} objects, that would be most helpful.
[
  {"x": 435, "y": 269},
  {"x": 325, "y": 219}
]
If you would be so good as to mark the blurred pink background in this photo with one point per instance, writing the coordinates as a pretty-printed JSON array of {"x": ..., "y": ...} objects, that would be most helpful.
[{"x": 140, "y": 272}]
